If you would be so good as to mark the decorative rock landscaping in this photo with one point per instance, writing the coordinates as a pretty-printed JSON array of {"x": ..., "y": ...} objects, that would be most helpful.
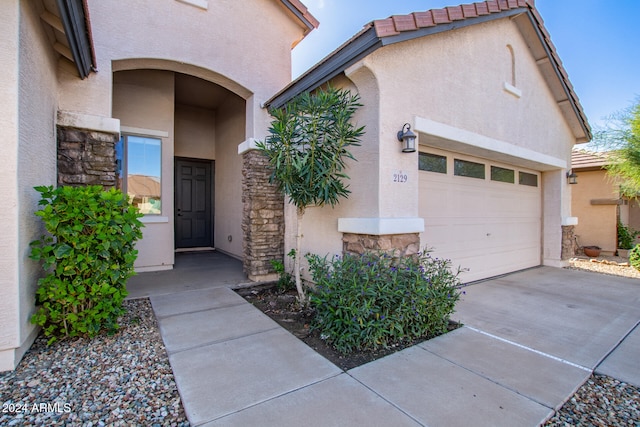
[{"x": 118, "y": 380}]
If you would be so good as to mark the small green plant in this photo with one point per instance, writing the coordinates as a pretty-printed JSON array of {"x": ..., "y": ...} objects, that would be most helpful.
[
  {"x": 285, "y": 280},
  {"x": 626, "y": 236},
  {"x": 88, "y": 255},
  {"x": 373, "y": 300},
  {"x": 634, "y": 257}
]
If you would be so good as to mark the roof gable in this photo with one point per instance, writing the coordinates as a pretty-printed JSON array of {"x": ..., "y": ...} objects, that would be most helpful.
[{"x": 399, "y": 28}]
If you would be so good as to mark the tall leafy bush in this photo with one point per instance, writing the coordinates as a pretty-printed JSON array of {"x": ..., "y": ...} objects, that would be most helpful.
[
  {"x": 374, "y": 300},
  {"x": 88, "y": 256},
  {"x": 634, "y": 257}
]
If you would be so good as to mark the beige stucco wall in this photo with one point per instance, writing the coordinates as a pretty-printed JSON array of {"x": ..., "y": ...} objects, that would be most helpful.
[
  {"x": 195, "y": 132},
  {"x": 597, "y": 224},
  {"x": 145, "y": 100},
  {"x": 27, "y": 134},
  {"x": 456, "y": 78},
  {"x": 230, "y": 132},
  {"x": 320, "y": 224},
  {"x": 246, "y": 44}
]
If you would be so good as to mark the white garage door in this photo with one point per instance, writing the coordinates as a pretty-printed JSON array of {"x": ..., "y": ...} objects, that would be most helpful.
[{"x": 484, "y": 216}]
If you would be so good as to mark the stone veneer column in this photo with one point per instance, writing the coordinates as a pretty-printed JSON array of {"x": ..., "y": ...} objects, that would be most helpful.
[
  {"x": 569, "y": 244},
  {"x": 86, "y": 157},
  {"x": 398, "y": 245},
  {"x": 262, "y": 218}
]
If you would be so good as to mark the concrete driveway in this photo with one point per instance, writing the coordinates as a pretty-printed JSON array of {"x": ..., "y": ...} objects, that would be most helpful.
[{"x": 575, "y": 316}]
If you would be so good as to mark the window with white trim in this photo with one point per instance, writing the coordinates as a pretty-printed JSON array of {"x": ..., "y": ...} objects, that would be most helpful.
[{"x": 139, "y": 171}]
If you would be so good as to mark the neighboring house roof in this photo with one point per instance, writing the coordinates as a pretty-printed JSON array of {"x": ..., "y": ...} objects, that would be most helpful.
[
  {"x": 582, "y": 160},
  {"x": 400, "y": 28}
]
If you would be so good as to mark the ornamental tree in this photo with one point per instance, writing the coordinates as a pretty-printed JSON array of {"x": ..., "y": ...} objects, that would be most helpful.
[
  {"x": 622, "y": 138},
  {"x": 307, "y": 147}
]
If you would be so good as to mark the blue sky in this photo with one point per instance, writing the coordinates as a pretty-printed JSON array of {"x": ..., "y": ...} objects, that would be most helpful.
[{"x": 597, "y": 41}]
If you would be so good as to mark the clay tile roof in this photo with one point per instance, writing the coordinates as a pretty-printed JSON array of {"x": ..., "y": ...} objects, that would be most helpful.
[
  {"x": 385, "y": 27},
  {"x": 455, "y": 13},
  {"x": 482, "y": 8},
  {"x": 440, "y": 16},
  {"x": 396, "y": 24},
  {"x": 424, "y": 19},
  {"x": 404, "y": 22},
  {"x": 469, "y": 10},
  {"x": 582, "y": 159},
  {"x": 397, "y": 28}
]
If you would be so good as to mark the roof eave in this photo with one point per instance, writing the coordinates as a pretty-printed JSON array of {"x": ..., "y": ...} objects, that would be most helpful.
[
  {"x": 76, "y": 25},
  {"x": 571, "y": 96},
  {"x": 335, "y": 63},
  {"x": 302, "y": 13}
]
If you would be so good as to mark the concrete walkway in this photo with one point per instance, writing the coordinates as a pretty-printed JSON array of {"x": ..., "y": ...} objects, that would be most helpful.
[{"x": 530, "y": 340}]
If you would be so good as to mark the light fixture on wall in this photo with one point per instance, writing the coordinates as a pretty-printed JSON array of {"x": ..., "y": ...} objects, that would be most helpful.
[
  {"x": 408, "y": 138},
  {"x": 572, "y": 178}
]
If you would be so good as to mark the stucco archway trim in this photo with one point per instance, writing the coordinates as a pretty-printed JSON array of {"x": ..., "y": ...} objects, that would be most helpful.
[{"x": 184, "y": 68}]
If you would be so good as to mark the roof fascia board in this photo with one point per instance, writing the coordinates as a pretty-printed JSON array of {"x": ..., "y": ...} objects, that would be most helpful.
[
  {"x": 440, "y": 28},
  {"x": 581, "y": 118},
  {"x": 351, "y": 53},
  {"x": 74, "y": 23},
  {"x": 299, "y": 15}
]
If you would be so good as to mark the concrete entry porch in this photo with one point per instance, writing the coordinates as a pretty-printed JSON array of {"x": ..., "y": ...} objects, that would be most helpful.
[{"x": 192, "y": 270}]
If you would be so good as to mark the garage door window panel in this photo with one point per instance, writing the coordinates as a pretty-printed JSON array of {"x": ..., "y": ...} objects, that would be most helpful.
[
  {"x": 432, "y": 163},
  {"x": 503, "y": 175},
  {"x": 529, "y": 179},
  {"x": 468, "y": 169}
]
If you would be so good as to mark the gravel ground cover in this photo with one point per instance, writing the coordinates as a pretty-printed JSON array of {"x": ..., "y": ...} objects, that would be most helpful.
[
  {"x": 615, "y": 266},
  {"x": 126, "y": 379},
  {"x": 602, "y": 401},
  {"x": 119, "y": 380}
]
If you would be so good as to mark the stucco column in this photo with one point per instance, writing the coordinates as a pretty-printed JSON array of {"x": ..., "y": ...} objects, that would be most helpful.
[{"x": 556, "y": 215}]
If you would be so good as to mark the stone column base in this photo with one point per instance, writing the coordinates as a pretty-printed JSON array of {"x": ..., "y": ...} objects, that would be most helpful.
[
  {"x": 569, "y": 244},
  {"x": 397, "y": 245},
  {"x": 262, "y": 218}
]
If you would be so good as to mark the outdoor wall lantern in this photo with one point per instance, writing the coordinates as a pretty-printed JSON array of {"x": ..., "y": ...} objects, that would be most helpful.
[
  {"x": 408, "y": 138},
  {"x": 572, "y": 178}
]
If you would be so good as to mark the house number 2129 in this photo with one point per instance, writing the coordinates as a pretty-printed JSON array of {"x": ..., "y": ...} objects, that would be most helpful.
[{"x": 400, "y": 177}]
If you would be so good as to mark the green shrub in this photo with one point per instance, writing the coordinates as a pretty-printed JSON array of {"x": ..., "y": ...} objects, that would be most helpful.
[
  {"x": 626, "y": 236},
  {"x": 634, "y": 257},
  {"x": 372, "y": 301},
  {"x": 88, "y": 256},
  {"x": 285, "y": 279}
]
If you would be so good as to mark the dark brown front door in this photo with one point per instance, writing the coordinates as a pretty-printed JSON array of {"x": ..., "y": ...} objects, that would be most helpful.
[{"x": 193, "y": 211}]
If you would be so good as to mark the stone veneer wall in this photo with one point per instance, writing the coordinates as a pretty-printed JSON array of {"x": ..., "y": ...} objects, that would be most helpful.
[
  {"x": 400, "y": 245},
  {"x": 86, "y": 157},
  {"x": 569, "y": 244},
  {"x": 262, "y": 217}
]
